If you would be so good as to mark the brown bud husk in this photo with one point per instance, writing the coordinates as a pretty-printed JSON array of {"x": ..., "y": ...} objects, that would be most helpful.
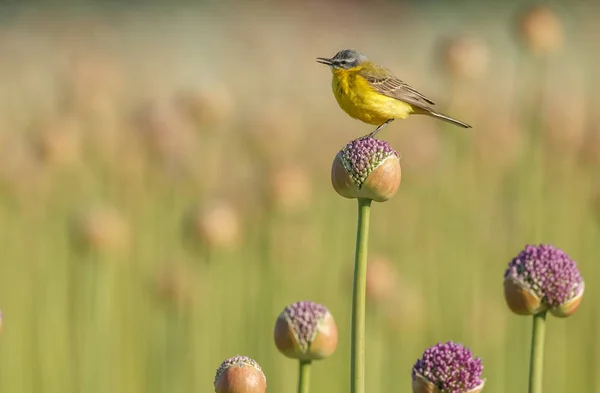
[
  {"x": 420, "y": 384},
  {"x": 567, "y": 309},
  {"x": 241, "y": 378},
  {"x": 520, "y": 299},
  {"x": 380, "y": 185},
  {"x": 322, "y": 346}
]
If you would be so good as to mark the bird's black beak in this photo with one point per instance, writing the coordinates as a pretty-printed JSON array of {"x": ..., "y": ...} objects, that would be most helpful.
[{"x": 324, "y": 60}]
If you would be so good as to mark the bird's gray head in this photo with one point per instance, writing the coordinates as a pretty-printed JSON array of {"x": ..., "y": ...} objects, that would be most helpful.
[{"x": 344, "y": 59}]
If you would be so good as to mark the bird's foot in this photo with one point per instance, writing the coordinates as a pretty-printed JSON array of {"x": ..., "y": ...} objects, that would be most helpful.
[{"x": 372, "y": 135}]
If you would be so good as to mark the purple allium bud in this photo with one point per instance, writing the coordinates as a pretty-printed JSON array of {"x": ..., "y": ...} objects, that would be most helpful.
[
  {"x": 0, "y": 320},
  {"x": 547, "y": 272},
  {"x": 361, "y": 156},
  {"x": 240, "y": 374},
  {"x": 367, "y": 168},
  {"x": 450, "y": 367},
  {"x": 306, "y": 330}
]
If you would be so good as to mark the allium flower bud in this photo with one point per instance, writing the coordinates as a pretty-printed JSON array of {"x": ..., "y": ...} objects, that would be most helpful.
[
  {"x": 0, "y": 321},
  {"x": 176, "y": 286},
  {"x": 465, "y": 57},
  {"x": 207, "y": 108},
  {"x": 240, "y": 374},
  {"x": 102, "y": 228},
  {"x": 216, "y": 226},
  {"x": 447, "y": 368},
  {"x": 540, "y": 278},
  {"x": 306, "y": 331},
  {"x": 290, "y": 187},
  {"x": 367, "y": 168},
  {"x": 59, "y": 143},
  {"x": 541, "y": 29}
]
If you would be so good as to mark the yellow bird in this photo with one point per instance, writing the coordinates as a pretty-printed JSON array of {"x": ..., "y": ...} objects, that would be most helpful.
[{"x": 371, "y": 93}]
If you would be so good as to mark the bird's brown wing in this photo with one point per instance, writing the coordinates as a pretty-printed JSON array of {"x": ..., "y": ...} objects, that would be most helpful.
[{"x": 384, "y": 82}]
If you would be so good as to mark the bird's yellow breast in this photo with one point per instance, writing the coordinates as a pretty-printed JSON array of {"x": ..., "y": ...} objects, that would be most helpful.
[{"x": 359, "y": 100}]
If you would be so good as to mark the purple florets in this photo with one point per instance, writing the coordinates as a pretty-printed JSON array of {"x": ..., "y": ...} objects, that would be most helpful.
[
  {"x": 304, "y": 317},
  {"x": 236, "y": 361},
  {"x": 547, "y": 271},
  {"x": 450, "y": 367},
  {"x": 361, "y": 156}
]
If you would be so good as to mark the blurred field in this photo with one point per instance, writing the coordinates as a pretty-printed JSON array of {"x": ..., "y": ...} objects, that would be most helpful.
[{"x": 165, "y": 192}]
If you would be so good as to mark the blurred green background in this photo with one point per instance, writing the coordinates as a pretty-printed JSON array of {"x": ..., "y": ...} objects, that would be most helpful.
[{"x": 165, "y": 191}]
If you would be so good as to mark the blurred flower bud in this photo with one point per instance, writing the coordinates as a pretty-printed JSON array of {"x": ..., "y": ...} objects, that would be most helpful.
[
  {"x": 540, "y": 278},
  {"x": 175, "y": 285},
  {"x": 60, "y": 142},
  {"x": 465, "y": 57},
  {"x": 290, "y": 187},
  {"x": 367, "y": 168},
  {"x": 447, "y": 367},
  {"x": 381, "y": 280},
  {"x": 276, "y": 131},
  {"x": 102, "y": 229},
  {"x": 565, "y": 123},
  {"x": 92, "y": 77},
  {"x": 406, "y": 311},
  {"x": 207, "y": 108},
  {"x": 541, "y": 29},
  {"x": 240, "y": 374},
  {"x": 306, "y": 331},
  {"x": 1, "y": 321},
  {"x": 164, "y": 130},
  {"x": 216, "y": 226}
]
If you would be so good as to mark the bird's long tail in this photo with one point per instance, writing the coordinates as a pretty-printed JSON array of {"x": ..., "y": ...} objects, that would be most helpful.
[{"x": 448, "y": 119}]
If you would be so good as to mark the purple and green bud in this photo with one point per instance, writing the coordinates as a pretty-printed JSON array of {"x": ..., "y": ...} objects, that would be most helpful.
[
  {"x": 362, "y": 156},
  {"x": 540, "y": 278},
  {"x": 449, "y": 368},
  {"x": 306, "y": 331},
  {"x": 366, "y": 168},
  {"x": 240, "y": 374}
]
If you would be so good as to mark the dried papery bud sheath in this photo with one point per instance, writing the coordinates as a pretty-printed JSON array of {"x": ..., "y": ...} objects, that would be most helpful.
[
  {"x": 520, "y": 298},
  {"x": 306, "y": 331},
  {"x": 367, "y": 168},
  {"x": 569, "y": 307},
  {"x": 543, "y": 278},
  {"x": 240, "y": 374},
  {"x": 540, "y": 29},
  {"x": 447, "y": 367}
]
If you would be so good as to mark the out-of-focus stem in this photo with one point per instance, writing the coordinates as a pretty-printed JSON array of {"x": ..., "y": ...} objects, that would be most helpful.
[
  {"x": 304, "y": 376},
  {"x": 536, "y": 366},
  {"x": 357, "y": 364}
]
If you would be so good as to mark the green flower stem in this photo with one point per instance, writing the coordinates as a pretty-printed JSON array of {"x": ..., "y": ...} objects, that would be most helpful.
[
  {"x": 536, "y": 366},
  {"x": 304, "y": 376},
  {"x": 357, "y": 363}
]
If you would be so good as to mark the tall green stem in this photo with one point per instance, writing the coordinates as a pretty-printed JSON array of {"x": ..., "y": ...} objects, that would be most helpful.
[
  {"x": 357, "y": 364},
  {"x": 536, "y": 366},
  {"x": 304, "y": 376}
]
